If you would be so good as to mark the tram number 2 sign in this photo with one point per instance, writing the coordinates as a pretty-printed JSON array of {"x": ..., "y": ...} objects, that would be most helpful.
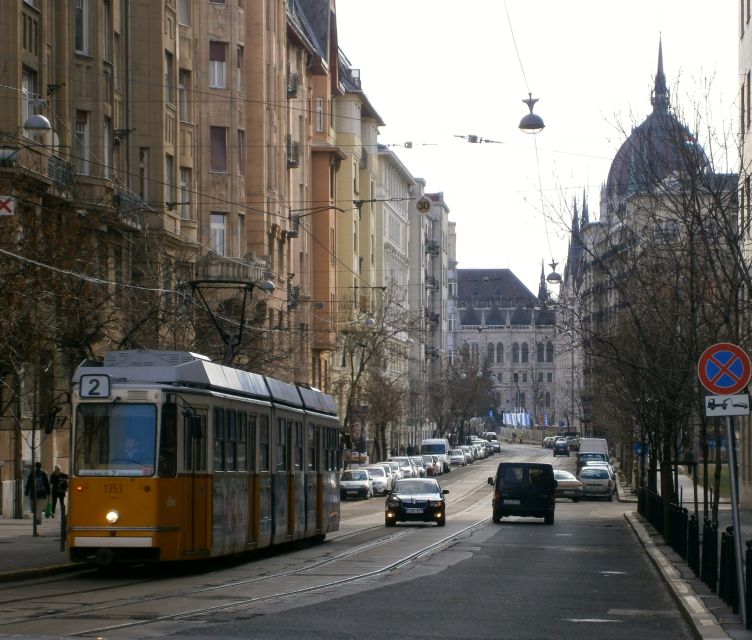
[{"x": 94, "y": 385}]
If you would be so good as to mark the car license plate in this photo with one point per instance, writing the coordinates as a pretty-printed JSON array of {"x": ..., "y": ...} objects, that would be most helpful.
[
  {"x": 511, "y": 501},
  {"x": 352, "y": 492},
  {"x": 413, "y": 510}
]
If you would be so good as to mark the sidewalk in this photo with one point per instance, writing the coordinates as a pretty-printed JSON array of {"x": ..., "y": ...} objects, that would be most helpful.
[
  {"x": 712, "y": 618},
  {"x": 22, "y": 555}
]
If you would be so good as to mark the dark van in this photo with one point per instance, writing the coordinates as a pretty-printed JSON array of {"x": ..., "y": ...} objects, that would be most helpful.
[{"x": 524, "y": 489}]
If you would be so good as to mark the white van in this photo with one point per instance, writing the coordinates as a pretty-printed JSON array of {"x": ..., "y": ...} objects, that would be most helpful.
[
  {"x": 437, "y": 447},
  {"x": 594, "y": 445}
]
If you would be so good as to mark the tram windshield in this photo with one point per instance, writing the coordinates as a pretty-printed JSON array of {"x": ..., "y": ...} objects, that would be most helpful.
[{"x": 115, "y": 439}]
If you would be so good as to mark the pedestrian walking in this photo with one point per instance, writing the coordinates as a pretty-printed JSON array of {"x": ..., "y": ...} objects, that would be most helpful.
[
  {"x": 38, "y": 488},
  {"x": 58, "y": 487}
]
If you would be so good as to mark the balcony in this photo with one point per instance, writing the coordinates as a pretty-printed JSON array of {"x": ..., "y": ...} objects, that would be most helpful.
[
  {"x": 293, "y": 153},
  {"x": 38, "y": 160},
  {"x": 433, "y": 248},
  {"x": 432, "y": 283}
]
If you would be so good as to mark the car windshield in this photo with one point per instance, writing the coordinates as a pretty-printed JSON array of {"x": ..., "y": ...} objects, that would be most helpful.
[
  {"x": 416, "y": 486},
  {"x": 377, "y": 471},
  {"x": 560, "y": 474},
  {"x": 457, "y": 452},
  {"x": 596, "y": 474},
  {"x": 354, "y": 475}
]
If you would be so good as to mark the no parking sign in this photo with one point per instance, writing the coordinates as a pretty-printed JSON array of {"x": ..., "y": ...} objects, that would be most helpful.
[{"x": 724, "y": 369}]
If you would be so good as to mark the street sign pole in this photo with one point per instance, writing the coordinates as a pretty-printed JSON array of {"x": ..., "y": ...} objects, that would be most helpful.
[
  {"x": 725, "y": 369},
  {"x": 731, "y": 438}
]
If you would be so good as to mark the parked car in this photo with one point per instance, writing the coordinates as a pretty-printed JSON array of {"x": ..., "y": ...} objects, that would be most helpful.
[
  {"x": 607, "y": 467},
  {"x": 548, "y": 442},
  {"x": 567, "y": 485},
  {"x": 391, "y": 474},
  {"x": 561, "y": 448},
  {"x": 524, "y": 489},
  {"x": 406, "y": 467},
  {"x": 416, "y": 500},
  {"x": 396, "y": 470},
  {"x": 469, "y": 453},
  {"x": 457, "y": 458},
  {"x": 432, "y": 465},
  {"x": 380, "y": 481},
  {"x": 355, "y": 483},
  {"x": 417, "y": 462},
  {"x": 584, "y": 456},
  {"x": 596, "y": 483}
]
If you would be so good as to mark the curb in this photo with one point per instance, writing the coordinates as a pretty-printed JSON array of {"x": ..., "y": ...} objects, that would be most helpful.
[
  {"x": 38, "y": 572},
  {"x": 704, "y": 623}
]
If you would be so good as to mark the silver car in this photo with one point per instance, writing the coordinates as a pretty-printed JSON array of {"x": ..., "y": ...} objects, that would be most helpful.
[{"x": 380, "y": 481}]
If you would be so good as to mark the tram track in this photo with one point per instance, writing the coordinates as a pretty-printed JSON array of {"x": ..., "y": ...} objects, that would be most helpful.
[
  {"x": 312, "y": 573},
  {"x": 123, "y": 607}
]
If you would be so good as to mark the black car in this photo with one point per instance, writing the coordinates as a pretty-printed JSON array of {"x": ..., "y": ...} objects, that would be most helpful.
[
  {"x": 561, "y": 448},
  {"x": 416, "y": 500},
  {"x": 524, "y": 489}
]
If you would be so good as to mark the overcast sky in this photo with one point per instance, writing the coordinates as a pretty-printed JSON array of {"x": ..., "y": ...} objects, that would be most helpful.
[{"x": 436, "y": 69}]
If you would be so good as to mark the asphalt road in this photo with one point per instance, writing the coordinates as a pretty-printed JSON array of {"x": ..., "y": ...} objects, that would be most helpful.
[{"x": 585, "y": 577}]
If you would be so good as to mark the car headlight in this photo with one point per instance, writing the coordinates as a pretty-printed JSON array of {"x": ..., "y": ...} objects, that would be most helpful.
[
  {"x": 436, "y": 503},
  {"x": 112, "y": 516},
  {"x": 393, "y": 503}
]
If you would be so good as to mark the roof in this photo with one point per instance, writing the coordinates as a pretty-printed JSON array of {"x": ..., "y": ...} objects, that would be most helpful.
[{"x": 655, "y": 149}]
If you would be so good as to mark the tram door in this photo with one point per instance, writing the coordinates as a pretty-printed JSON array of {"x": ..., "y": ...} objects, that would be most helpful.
[{"x": 196, "y": 522}]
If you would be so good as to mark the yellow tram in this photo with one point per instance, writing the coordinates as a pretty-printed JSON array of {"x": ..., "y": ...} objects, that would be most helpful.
[{"x": 176, "y": 458}]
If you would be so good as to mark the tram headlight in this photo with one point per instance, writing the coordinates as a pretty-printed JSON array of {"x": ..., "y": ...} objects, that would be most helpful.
[{"x": 112, "y": 517}]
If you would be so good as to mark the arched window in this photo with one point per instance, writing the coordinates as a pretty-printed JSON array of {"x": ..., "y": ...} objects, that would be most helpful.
[
  {"x": 540, "y": 349},
  {"x": 500, "y": 353},
  {"x": 515, "y": 352},
  {"x": 548, "y": 400},
  {"x": 490, "y": 354},
  {"x": 475, "y": 350},
  {"x": 550, "y": 352},
  {"x": 522, "y": 399},
  {"x": 524, "y": 352},
  {"x": 465, "y": 353}
]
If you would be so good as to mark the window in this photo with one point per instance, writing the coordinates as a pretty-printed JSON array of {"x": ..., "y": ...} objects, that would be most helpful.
[
  {"x": 523, "y": 352},
  {"x": 143, "y": 173},
  {"x": 549, "y": 377},
  {"x": 29, "y": 95},
  {"x": 311, "y": 462},
  {"x": 107, "y": 148},
  {"x": 184, "y": 104},
  {"x": 184, "y": 12},
  {"x": 169, "y": 78},
  {"x": 80, "y": 26},
  {"x": 241, "y": 152},
  {"x": 239, "y": 68},
  {"x": 184, "y": 196},
  {"x": 217, "y": 58},
  {"x": 218, "y": 239},
  {"x": 281, "y": 449},
  {"x": 540, "y": 376},
  {"x": 515, "y": 353},
  {"x": 264, "y": 443},
  {"x": 218, "y": 149},
  {"x": 169, "y": 183},
  {"x": 540, "y": 349},
  {"x": 107, "y": 30},
  {"x": 490, "y": 352},
  {"x": 81, "y": 143},
  {"x": 549, "y": 352},
  {"x": 219, "y": 439},
  {"x": 319, "y": 114},
  {"x": 500, "y": 353},
  {"x": 548, "y": 399}
]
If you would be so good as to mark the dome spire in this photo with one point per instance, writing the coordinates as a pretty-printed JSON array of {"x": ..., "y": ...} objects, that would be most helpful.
[{"x": 659, "y": 99}]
